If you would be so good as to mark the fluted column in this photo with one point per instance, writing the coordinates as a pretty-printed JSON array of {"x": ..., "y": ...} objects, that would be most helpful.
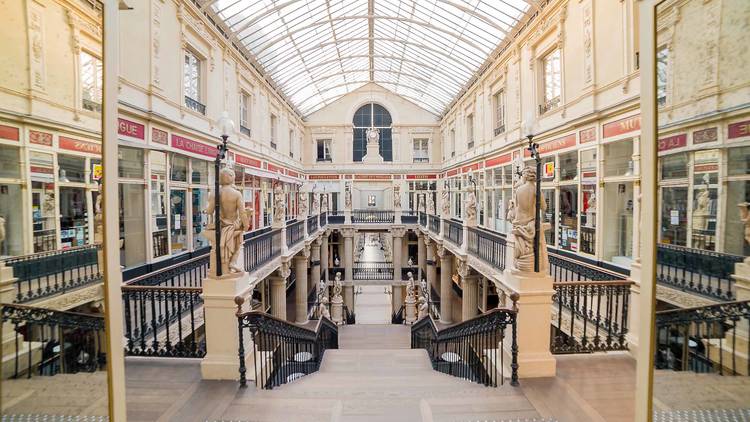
[
  {"x": 397, "y": 298},
  {"x": 469, "y": 297},
  {"x": 446, "y": 287},
  {"x": 278, "y": 291},
  {"x": 348, "y": 266},
  {"x": 430, "y": 264},
  {"x": 300, "y": 270}
]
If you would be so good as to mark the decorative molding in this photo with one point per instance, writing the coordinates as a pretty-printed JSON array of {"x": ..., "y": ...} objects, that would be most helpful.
[
  {"x": 37, "y": 68},
  {"x": 285, "y": 270}
]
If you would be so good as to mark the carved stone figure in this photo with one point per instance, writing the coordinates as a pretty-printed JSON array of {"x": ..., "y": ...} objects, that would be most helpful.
[
  {"x": 373, "y": 135},
  {"x": 396, "y": 197},
  {"x": 234, "y": 221},
  {"x": 278, "y": 204},
  {"x": 337, "y": 286},
  {"x": 430, "y": 205},
  {"x": 315, "y": 204},
  {"x": 348, "y": 196},
  {"x": 591, "y": 210},
  {"x": 522, "y": 213},
  {"x": 420, "y": 202},
  {"x": 323, "y": 308},
  {"x": 372, "y": 154},
  {"x": 324, "y": 203},
  {"x": 445, "y": 204},
  {"x": 422, "y": 307},
  {"x": 302, "y": 204},
  {"x": 471, "y": 209}
]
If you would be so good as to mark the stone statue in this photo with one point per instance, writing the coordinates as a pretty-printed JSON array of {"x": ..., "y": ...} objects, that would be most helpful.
[
  {"x": 422, "y": 312},
  {"x": 315, "y": 204},
  {"x": 234, "y": 221},
  {"x": 396, "y": 197},
  {"x": 420, "y": 202},
  {"x": 430, "y": 204},
  {"x": 591, "y": 210},
  {"x": 302, "y": 204},
  {"x": 446, "y": 204},
  {"x": 471, "y": 209},
  {"x": 522, "y": 213},
  {"x": 348, "y": 196},
  {"x": 744, "y": 218},
  {"x": 278, "y": 204},
  {"x": 337, "y": 287},
  {"x": 323, "y": 308},
  {"x": 324, "y": 203},
  {"x": 373, "y": 135}
]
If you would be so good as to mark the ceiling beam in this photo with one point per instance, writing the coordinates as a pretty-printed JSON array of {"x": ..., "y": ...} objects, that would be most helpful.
[{"x": 371, "y": 36}]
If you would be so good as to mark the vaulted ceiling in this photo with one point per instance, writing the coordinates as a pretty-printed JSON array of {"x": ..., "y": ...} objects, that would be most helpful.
[{"x": 316, "y": 51}]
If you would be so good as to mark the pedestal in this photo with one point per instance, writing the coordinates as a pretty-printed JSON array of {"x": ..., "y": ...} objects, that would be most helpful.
[
  {"x": 410, "y": 308},
  {"x": 337, "y": 309},
  {"x": 222, "y": 339},
  {"x": 634, "y": 309},
  {"x": 397, "y": 217},
  {"x": 533, "y": 324}
]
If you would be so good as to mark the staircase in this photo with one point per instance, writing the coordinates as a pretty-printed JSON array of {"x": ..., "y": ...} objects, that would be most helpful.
[
  {"x": 687, "y": 391},
  {"x": 376, "y": 376},
  {"x": 81, "y": 394}
]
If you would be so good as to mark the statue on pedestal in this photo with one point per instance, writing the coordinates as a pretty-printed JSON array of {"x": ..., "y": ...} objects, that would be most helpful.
[
  {"x": 337, "y": 286},
  {"x": 315, "y": 204},
  {"x": 522, "y": 215},
  {"x": 471, "y": 209},
  {"x": 430, "y": 204},
  {"x": 278, "y": 204},
  {"x": 234, "y": 221},
  {"x": 323, "y": 308},
  {"x": 302, "y": 204},
  {"x": 324, "y": 203},
  {"x": 446, "y": 204}
]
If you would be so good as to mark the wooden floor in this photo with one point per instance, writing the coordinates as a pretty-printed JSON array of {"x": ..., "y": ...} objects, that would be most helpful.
[{"x": 587, "y": 388}]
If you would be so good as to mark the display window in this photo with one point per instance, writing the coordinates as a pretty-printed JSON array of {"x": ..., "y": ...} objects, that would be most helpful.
[
  {"x": 10, "y": 160},
  {"x": 130, "y": 163},
  {"x": 159, "y": 208},
  {"x": 738, "y": 161},
  {"x": 568, "y": 166},
  {"x": 178, "y": 168},
  {"x": 674, "y": 209},
  {"x": 550, "y": 215},
  {"x": 74, "y": 229},
  {"x": 617, "y": 238},
  {"x": 11, "y": 218},
  {"x": 43, "y": 201},
  {"x": 618, "y": 158},
  {"x": 674, "y": 166},
  {"x": 567, "y": 237},
  {"x": 178, "y": 220},
  {"x": 705, "y": 199},
  {"x": 132, "y": 227}
]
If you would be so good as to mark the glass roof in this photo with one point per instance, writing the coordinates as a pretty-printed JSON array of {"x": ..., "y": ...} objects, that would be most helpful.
[{"x": 315, "y": 51}]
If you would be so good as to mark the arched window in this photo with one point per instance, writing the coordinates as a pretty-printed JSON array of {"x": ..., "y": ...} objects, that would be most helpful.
[{"x": 376, "y": 116}]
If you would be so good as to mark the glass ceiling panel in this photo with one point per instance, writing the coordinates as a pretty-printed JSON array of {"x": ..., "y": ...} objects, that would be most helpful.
[{"x": 318, "y": 50}]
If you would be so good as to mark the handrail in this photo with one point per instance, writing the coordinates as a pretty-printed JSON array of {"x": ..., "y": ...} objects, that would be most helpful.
[
  {"x": 562, "y": 267},
  {"x": 137, "y": 280},
  {"x": 470, "y": 348},
  {"x": 707, "y": 273},
  {"x": 283, "y": 351}
]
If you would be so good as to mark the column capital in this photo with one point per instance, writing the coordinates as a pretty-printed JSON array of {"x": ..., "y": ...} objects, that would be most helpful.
[
  {"x": 348, "y": 232},
  {"x": 285, "y": 270},
  {"x": 428, "y": 241},
  {"x": 398, "y": 232},
  {"x": 304, "y": 253},
  {"x": 463, "y": 269},
  {"x": 318, "y": 242},
  {"x": 442, "y": 252}
]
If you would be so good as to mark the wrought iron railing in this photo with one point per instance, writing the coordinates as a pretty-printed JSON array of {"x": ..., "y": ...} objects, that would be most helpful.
[
  {"x": 195, "y": 105},
  {"x": 487, "y": 246},
  {"x": 566, "y": 268},
  {"x": 454, "y": 231},
  {"x": 245, "y": 131},
  {"x": 704, "y": 339},
  {"x": 500, "y": 129},
  {"x": 372, "y": 271},
  {"x": 323, "y": 219},
  {"x": 695, "y": 270},
  {"x": 434, "y": 222},
  {"x": 398, "y": 316},
  {"x": 188, "y": 273},
  {"x": 372, "y": 216},
  {"x": 312, "y": 224},
  {"x": 590, "y": 316},
  {"x": 295, "y": 232},
  {"x": 409, "y": 217},
  {"x": 48, "y": 273},
  {"x": 47, "y": 342},
  {"x": 163, "y": 321},
  {"x": 472, "y": 349},
  {"x": 336, "y": 217},
  {"x": 283, "y": 351},
  {"x": 423, "y": 219},
  {"x": 260, "y": 248}
]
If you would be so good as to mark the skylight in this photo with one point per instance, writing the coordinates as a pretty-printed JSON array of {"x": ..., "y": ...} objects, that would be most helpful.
[{"x": 319, "y": 50}]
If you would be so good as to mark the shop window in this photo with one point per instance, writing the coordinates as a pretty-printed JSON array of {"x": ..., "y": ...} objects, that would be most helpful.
[
  {"x": 738, "y": 198},
  {"x": 738, "y": 162},
  {"x": 91, "y": 82},
  {"x": 550, "y": 216},
  {"x": 674, "y": 166},
  {"x": 569, "y": 166},
  {"x": 674, "y": 207},
  {"x": 200, "y": 171},
  {"x": 11, "y": 218},
  {"x": 43, "y": 201},
  {"x": 618, "y": 158},
  {"x": 74, "y": 230},
  {"x": 552, "y": 80},
  {"x": 617, "y": 209},
  {"x": 588, "y": 218},
  {"x": 178, "y": 220},
  {"x": 705, "y": 193},
  {"x": 178, "y": 168},
  {"x": 132, "y": 225},
  {"x": 567, "y": 237},
  {"x": 588, "y": 165},
  {"x": 10, "y": 167},
  {"x": 95, "y": 170},
  {"x": 324, "y": 150},
  {"x": 130, "y": 163},
  {"x": 508, "y": 174},
  {"x": 159, "y": 206},
  {"x": 72, "y": 168}
]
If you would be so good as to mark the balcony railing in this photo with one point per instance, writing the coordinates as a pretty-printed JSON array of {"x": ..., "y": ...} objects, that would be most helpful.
[
  {"x": 454, "y": 231},
  {"x": 590, "y": 316},
  {"x": 487, "y": 246},
  {"x": 372, "y": 216},
  {"x": 163, "y": 321},
  {"x": 705, "y": 339},
  {"x": 324, "y": 160},
  {"x": 188, "y": 273},
  {"x": 695, "y": 270},
  {"x": 372, "y": 271},
  {"x": 312, "y": 224},
  {"x": 295, "y": 232},
  {"x": 572, "y": 268},
  {"x": 423, "y": 219},
  {"x": 284, "y": 351},
  {"x": 245, "y": 131},
  {"x": 421, "y": 160},
  {"x": 500, "y": 129},
  {"x": 92, "y": 106},
  {"x": 273, "y": 144},
  {"x": 434, "y": 222},
  {"x": 48, "y": 342},
  {"x": 48, "y": 273},
  {"x": 323, "y": 219},
  {"x": 195, "y": 105},
  {"x": 549, "y": 105},
  {"x": 261, "y": 246},
  {"x": 336, "y": 217},
  {"x": 469, "y": 350},
  {"x": 409, "y": 217}
]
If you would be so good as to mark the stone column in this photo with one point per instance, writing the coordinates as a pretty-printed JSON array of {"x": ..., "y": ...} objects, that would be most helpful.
[
  {"x": 469, "y": 300},
  {"x": 315, "y": 264},
  {"x": 348, "y": 235},
  {"x": 301, "y": 288},
  {"x": 421, "y": 256},
  {"x": 430, "y": 263},
  {"x": 446, "y": 287},
  {"x": 397, "y": 291},
  {"x": 278, "y": 291},
  {"x": 324, "y": 254}
]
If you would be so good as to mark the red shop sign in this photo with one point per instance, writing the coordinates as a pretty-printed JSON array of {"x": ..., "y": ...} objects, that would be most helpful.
[
  {"x": 195, "y": 147},
  {"x": 672, "y": 142},
  {"x": 619, "y": 127},
  {"x": 554, "y": 145},
  {"x": 159, "y": 136},
  {"x": 131, "y": 129},
  {"x": 739, "y": 129},
  {"x": 246, "y": 161},
  {"x": 323, "y": 177},
  {"x": 587, "y": 135},
  {"x": 80, "y": 146},
  {"x": 40, "y": 138},
  {"x": 9, "y": 132},
  {"x": 496, "y": 161}
]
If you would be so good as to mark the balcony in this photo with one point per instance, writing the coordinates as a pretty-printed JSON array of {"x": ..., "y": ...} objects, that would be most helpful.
[
  {"x": 421, "y": 160},
  {"x": 323, "y": 160},
  {"x": 500, "y": 129},
  {"x": 549, "y": 105},
  {"x": 92, "y": 106},
  {"x": 245, "y": 131},
  {"x": 273, "y": 144},
  {"x": 470, "y": 144},
  {"x": 195, "y": 105},
  {"x": 372, "y": 216},
  {"x": 454, "y": 231},
  {"x": 295, "y": 232},
  {"x": 706, "y": 273}
]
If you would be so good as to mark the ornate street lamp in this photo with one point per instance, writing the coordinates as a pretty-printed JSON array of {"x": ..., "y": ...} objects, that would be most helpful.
[
  {"x": 226, "y": 126},
  {"x": 528, "y": 130}
]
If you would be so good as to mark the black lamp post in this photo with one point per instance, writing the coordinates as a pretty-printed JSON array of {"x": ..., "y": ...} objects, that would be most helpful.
[
  {"x": 534, "y": 150},
  {"x": 227, "y": 126}
]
